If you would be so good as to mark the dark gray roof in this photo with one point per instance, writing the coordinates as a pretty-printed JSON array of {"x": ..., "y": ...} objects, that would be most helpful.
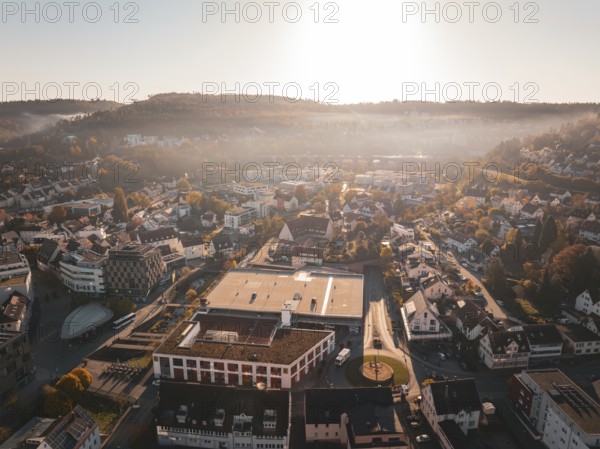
[
  {"x": 452, "y": 396},
  {"x": 542, "y": 334},
  {"x": 203, "y": 401}
]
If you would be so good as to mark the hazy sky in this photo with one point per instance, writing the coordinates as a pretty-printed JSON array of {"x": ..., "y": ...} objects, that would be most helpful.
[{"x": 377, "y": 50}]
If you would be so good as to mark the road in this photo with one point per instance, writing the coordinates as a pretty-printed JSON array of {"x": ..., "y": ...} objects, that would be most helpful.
[{"x": 492, "y": 305}]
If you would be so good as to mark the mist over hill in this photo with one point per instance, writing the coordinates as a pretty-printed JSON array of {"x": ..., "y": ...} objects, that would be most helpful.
[{"x": 231, "y": 125}]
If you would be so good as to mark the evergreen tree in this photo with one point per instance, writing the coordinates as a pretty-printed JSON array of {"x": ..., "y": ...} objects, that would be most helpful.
[
  {"x": 120, "y": 212},
  {"x": 548, "y": 234}
]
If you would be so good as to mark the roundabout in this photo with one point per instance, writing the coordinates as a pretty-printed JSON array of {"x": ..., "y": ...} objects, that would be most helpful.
[
  {"x": 377, "y": 372},
  {"x": 370, "y": 370}
]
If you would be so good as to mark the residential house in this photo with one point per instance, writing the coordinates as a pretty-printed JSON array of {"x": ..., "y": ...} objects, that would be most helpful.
[
  {"x": 531, "y": 211},
  {"x": 307, "y": 226},
  {"x": 194, "y": 246},
  {"x": 452, "y": 408},
  {"x": 511, "y": 206},
  {"x": 285, "y": 201},
  {"x": 16, "y": 312},
  {"x": 352, "y": 418},
  {"x": 579, "y": 340},
  {"x": 472, "y": 321},
  {"x": 461, "y": 242},
  {"x": 590, "y": 231},
  {"x": 195, "y": 415},
  {"x": 434, "y": 288},
  {"x": 504, "y": 349},
  {"x": 545, "y": 342},
  {"x": 208, "y": 219},
  {"x": 422, "y": 320}
]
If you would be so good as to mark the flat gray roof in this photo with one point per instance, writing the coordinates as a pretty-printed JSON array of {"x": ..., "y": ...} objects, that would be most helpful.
[
  {"x": 337, "y": 294},
  {"x": 84, "y": 319}
]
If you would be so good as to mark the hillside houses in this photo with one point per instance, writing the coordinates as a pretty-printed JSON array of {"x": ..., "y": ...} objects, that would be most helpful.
[{"x": 590, "y": 231}]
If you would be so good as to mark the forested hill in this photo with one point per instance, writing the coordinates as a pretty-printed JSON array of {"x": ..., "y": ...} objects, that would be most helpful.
[{"x": 21, "y": 118}]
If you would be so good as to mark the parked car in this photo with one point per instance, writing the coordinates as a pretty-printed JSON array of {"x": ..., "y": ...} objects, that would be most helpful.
[
  {"x": 500, "y": 303},
  {"x": 423, "y": 438},
  {"x": 415, "y": 424},
  {"x": 479, "y": 294},
  {"x": 156, "y": 383},
  {"x": 442, "y": 356}
]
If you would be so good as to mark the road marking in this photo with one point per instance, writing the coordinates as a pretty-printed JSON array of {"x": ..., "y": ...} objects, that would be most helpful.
[{"x": 326, "y": 299}]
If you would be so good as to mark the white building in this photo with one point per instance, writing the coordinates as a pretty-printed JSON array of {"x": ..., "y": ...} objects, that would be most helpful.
[
  {"x": 250, "y": 188},
  {"x": 435, "y": 288},
  {"x": 461, "y": 242},
  {"x": 472, "y": 321},
  {"x": 261, "y": 207},
  {"x": 84, "y": 273},
  {"x": 238, "y": 351},
  {"x": 239, "y": 216},
  {"x": 452, "y": 409},
  {"x": 545, "y": 342},
  {"x": 504, "y": 349},
  {"x": 512, "y": 206},
  {"x": 76, "y": 430},
  {"x": 158, "y": 237},
  {"x": 15, "y": 275},
  {"x": 563, "y": 414},
  {"x": 422, "y": 320}
]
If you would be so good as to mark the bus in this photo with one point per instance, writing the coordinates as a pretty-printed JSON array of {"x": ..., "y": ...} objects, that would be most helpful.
[
  {"x": 123, "y": 321},
  {"x": 342, "y": 357}
]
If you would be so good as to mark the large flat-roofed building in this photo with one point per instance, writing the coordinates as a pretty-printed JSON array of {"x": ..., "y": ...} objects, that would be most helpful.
[
  {"x": 565, "y": 415},
  {"x": 318, "y": 296},
  {"x": 133, "y": 269},
  {"x": 241, "y": 351},
  {"x": 207, "y": 416}
]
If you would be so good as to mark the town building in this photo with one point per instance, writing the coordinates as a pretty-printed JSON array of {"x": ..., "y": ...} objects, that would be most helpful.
[
  {"x": 159, "y": 237},
  {"x": 545, "y": 342},
  {"x": 422, "y": 320},
  {"x": 313, "y": 295},
  {"x": 16, "y": 312},
  {"x": 452, "y": 408},
  {"x": 16, "y": 365},
  {"x": 133, "y": 269},
  {"x": 224, "y": 417},
  {"x": 563, "y": 414},
  {"x": 15, "y": 275},
  {"x": 84, "y": 273},
  {"x": 352, "y": 418},
  {"x": 504, "y": 349},
  {"x": 237, "y": 217},
  {"x": 579, "y": 340},
  {"x": 472, "y": 321},
  {"x": 228, "y": 350},
  {"x": 307, "y": 226}
]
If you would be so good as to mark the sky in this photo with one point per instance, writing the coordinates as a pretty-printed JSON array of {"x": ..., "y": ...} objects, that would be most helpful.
[{"x": 345, "y": 51}]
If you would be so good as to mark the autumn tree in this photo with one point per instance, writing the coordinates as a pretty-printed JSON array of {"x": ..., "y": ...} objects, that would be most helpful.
[
  {"x": 57, "y": 215},
  {"x": 55, "y": 403},
  {"x": 70, "y": 386},
  {"x": 300, "y": 194},
  {"x": 120, "y": 211},
  {"x": 84, "y": 376},
  {"x": 183, "y": 184}
]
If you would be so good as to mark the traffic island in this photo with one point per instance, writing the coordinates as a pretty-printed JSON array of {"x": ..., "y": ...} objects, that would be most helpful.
[{"x": 361, "y": 371}]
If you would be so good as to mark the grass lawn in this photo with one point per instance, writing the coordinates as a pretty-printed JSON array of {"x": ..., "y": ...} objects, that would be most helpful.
[
  {"x": 103, "y": 410},
  {"x": 354, "y": 377}
]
